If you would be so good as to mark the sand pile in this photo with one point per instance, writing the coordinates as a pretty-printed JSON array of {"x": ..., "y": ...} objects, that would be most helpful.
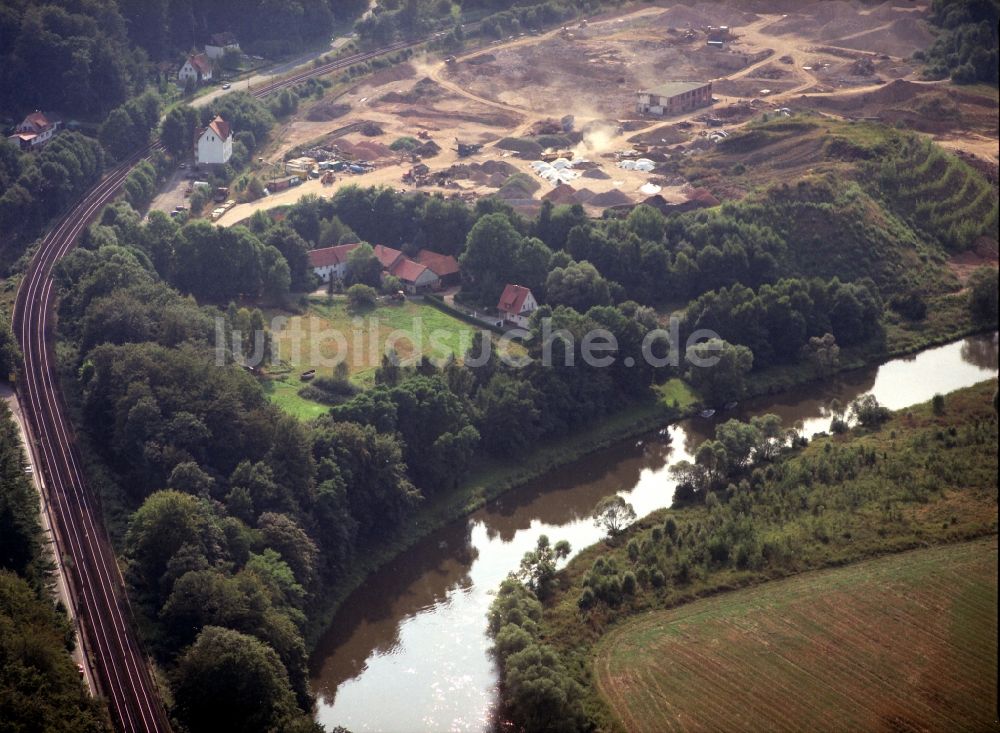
[
  {"x": 561, "y": 194},
  {"x": 597, "y": 174},
  {"x": 610, "y": 198},
  {"x": 325, "y": 111},
  {"x": 365, "y": 149}
]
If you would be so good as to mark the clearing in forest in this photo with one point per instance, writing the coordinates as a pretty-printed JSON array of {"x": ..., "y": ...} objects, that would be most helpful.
[
  {"x": 313, "y": 341},
  {"x": 902, "y": 643}
]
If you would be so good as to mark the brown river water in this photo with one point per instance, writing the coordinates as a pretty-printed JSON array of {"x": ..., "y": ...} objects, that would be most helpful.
[{"x": 408, "y": 651}]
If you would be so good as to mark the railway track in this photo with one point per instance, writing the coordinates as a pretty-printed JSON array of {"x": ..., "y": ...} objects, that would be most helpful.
[{"x": 98, "y": 595}]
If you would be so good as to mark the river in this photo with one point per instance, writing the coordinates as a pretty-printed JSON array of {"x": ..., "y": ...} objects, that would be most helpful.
[{"x": 408, "y": 652}]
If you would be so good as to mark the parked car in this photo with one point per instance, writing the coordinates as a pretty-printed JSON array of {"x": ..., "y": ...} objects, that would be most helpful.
[{"x": 227, "y": 85}]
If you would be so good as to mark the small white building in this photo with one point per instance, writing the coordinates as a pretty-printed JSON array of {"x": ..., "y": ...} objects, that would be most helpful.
[
  {"x": 34, "y": 131},
  {"x": 197, "y": 68},
  {"x": 516, "y": 305},
  {"x": 219, "y": 43},
  {"x": 215, "y": 145}
]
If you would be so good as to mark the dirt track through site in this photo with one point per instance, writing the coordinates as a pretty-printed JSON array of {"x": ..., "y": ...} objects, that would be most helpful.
[{"x": 840, "y": 58}]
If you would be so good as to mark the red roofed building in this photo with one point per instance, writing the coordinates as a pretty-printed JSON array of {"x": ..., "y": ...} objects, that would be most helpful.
[
  {"x": 387, "y": 256},
  {"x": 444, "y": 266},
  {"x": 517, "y": 304},
  {"x": 414, "y": 276},
  {"x": 197, "y": 68},
  {"x": 331, "y": 262},
  {"x": 35, "y": 130},
  {"x": 215, "y": 145}
]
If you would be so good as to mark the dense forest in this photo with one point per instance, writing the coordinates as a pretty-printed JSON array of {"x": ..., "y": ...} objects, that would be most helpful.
[
  {"x": 497, "y": 18},
  {"x": 40, "y": 688},
  {"x": 83, "y": 59},
  {"x": 966, "y": 48},
  {"x": 759, "y": 503},
  {"x": 233, "y": 516}
]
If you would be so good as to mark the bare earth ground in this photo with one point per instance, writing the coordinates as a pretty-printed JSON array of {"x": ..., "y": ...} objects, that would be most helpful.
[
  {"x": 824, "y": 649},
  {"x": 837, "y": 57}
]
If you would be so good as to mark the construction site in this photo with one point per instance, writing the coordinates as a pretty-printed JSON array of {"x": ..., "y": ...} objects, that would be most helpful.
[{"x": 559, "y": 116}]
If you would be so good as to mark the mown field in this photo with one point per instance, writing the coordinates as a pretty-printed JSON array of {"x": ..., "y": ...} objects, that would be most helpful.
[
  {"x": 901, "y": 643},
  {"x": 307, "y": 342}
]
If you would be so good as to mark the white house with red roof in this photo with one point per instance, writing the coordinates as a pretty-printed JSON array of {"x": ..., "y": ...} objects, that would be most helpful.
[
  {"x": 517, "y": 304},
  {"x": 215, "y": 144},
  {"x": 331, "y": 262},
  {"x": 197, "y": 68},
  {"x": 34, "y": 131}
]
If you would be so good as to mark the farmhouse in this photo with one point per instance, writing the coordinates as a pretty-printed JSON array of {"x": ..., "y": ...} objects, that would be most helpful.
[
  {"x": 197, "y": 68},
  {"x": 416, "y": 278},
  {"x": 34, "y": 131},
  {"x": 219, "y": 43},
  {"x": 516, "y": 305},
  {"x": 387, "y": 256},
  {"x": 215, "y": 145},
  {"x": 674, "y": 97},
  {"x": 331, "y": 263},
  {"x": 444, "y": 266}
]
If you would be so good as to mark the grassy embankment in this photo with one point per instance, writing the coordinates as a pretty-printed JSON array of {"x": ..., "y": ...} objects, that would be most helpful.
[
  {"x": 655, "y": 671},
  {"x": 923, "y": 479}
]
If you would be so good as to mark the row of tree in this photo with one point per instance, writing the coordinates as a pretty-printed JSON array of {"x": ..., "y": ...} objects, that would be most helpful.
[
  {"x": 40, "y": 688},
  {"x": 762, "y": 511}
]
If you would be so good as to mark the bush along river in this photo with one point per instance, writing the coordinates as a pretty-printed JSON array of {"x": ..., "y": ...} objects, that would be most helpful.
[{"x": 408, "y": 650}]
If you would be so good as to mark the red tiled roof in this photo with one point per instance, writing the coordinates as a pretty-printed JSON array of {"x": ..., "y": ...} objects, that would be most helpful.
[
  {"x": 387, "y": 255},
  {"x": 221, "y": 128},
  {"x": 512, "y": 299},
  {"x": 201, "y": 63},
  {"x": 441, "y": 265},
  {"x": 37, "y": 120},
  {"x": 331, "y": 255},
  {"x": 407, "y": 270}
]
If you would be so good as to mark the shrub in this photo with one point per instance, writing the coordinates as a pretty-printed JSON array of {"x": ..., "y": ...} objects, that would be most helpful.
[{"x": 361, "y": 296}]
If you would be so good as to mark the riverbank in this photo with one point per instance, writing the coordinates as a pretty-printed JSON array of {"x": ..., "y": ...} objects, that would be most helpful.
[
  {"x": 497, "y": 477},
  {"x": 494, "y": 478},
  {"x": 925, "y": 478}
]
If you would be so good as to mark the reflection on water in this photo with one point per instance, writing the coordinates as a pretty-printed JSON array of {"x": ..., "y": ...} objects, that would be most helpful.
[{"x": 409, "y": 652}]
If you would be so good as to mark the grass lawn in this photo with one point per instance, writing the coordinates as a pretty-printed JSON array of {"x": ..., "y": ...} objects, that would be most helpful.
[
  {"x": 906, "y": 642},
  {"x": 677, "y": 391},
  {"x": 330, "y": 330}
]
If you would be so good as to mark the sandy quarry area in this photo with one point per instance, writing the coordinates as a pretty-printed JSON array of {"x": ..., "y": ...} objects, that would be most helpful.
[{"x": 841, "y": 58}]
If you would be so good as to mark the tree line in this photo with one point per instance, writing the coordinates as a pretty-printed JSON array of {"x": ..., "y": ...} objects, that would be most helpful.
[
  {"x": 758, "y": 503},
  {"x": 40, "y": 688}
]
